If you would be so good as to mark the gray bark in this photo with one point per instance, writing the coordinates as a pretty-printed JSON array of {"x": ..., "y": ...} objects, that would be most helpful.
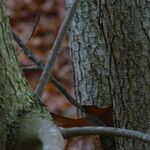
[
  {"x": 127, "y": 25},
  {"x": 110, "y": 49},
  {"x": 89, "y": 55},
  {"x": 90, "y": 58}
]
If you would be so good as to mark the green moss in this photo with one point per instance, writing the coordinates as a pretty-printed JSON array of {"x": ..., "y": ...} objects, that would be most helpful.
[{"x": 17, "y": 102}]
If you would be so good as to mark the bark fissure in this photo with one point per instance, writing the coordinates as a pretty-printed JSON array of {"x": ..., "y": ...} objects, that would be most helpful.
[
  {"x": 130, "y": 46},
  {"x": 89, "y": 55}
]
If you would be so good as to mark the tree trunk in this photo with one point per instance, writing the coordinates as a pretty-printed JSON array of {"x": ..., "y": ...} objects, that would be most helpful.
[
  {"x": 110, "y": 45},
  {"x": 127, "y": 25},
  {"x": 90, "y": 58},
  {"x": 19, "y": 106},
  {"x": 89, "y": 55}
]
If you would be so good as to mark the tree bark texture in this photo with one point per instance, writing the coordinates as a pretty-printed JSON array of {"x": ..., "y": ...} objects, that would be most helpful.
[
  {"x": 127, "y": 32},
  {"x": 19, "y": 106},
  {"x": 110, "y": 51},
  {"x": 90, "y": 58},
  {"x": 89, "y": 55}
]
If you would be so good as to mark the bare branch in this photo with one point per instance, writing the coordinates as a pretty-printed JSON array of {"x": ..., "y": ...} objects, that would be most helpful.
[
  {"x": 26, "y": 51},
  {"x": 33, "y": 68},
  {"x": 59, "y": 86},
  {"x": 55, "y": 50},
  {"x": 72, "y": 100},
  {"x": 35, "y": 25},
  {"x": 120, "y": 132},
  {"x": 40, "y": 66}
]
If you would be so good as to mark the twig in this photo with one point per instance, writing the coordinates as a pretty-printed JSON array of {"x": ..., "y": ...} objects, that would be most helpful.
[
  {"x": 33, "y": 68},
  {"x": 56, "y": 47},
  {"x": 35, "y": 25},
  {"x": 72, "y": 100},
  {"x": 30, "y": 55},
  {"x": 120, "y": 132},
  {"x": 59, "y": 86},
  {"x": 26, "y": 51}
]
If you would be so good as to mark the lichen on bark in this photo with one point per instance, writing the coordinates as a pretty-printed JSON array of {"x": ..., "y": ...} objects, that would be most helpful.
[{"x": 20, "y": 108}]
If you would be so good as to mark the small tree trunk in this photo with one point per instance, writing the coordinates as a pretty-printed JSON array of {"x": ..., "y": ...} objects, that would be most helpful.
[
  {"x": 127, "y": 31},
  {"x": 90, "y": 58},
  {"x": 123, "y": 29},
  {"x": 89, "y": 55},
  {"x": 22, "y": 116}
]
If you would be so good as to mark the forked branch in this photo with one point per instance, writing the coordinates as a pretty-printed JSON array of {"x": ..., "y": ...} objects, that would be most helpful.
[
  {"x": 56, "y": 48},
  {"x": 59, "y": 86}
]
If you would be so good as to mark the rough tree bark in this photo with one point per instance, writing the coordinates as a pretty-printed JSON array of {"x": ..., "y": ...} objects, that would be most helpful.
[
  {"x": 110, "y": 46},
  {"x": 127, "y": 31},
  {"x": 89, "y": 55},
  {"x": 24, "y": 122}
]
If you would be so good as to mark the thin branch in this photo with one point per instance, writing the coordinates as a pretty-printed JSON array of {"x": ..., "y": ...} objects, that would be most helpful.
[
  {"x": 35, "y": 25},
  {"x": 120, "y": 132},
  {"x": 30, "y": 68},
  {"x": 72, "y": 100},
  {"x": 27, "y": 51},
  {"x": 56, "y": 47},
  {"x": 59, "y": 86},
  {"x": 40, "y": 66}
]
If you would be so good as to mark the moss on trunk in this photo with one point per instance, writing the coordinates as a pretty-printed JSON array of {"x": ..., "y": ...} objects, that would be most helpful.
[{"x": 19, "y": 106}]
